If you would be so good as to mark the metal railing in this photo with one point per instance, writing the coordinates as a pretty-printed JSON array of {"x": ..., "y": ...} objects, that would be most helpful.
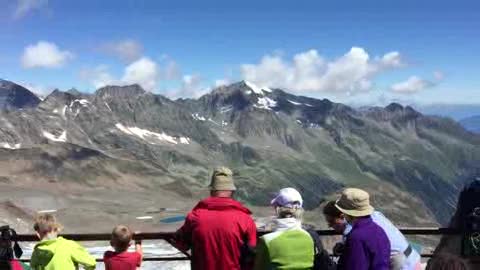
[{"x": 167, "y": 236}]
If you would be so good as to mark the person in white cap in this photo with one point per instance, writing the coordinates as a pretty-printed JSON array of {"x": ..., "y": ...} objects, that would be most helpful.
[{"x": 289, "y": 246}]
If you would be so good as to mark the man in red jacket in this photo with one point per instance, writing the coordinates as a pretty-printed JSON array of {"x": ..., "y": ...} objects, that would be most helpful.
[{"x": 219, "y": 230}]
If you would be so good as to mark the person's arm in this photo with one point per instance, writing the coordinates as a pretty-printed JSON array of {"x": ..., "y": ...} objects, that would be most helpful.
[
  {"x": 354, "y": 255},
  {"x": 262, "y": 257},
  {"x": 249, "y": 244},
  {"x": 81, "y": 256},
  {"x": 36, "y": 257},
  {"x": 183, "y": 236},
  {"x": 139, "y": 250},
  {"x": 251, "y": 234}
]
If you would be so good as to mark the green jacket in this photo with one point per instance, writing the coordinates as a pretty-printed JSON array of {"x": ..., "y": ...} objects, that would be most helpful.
[
  {"x": 60, "y": 254},
  {"x": 288, "y": 247}
]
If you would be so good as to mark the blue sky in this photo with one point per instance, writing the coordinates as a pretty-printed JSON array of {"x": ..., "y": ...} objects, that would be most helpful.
[{"x": 365, "y": 52}]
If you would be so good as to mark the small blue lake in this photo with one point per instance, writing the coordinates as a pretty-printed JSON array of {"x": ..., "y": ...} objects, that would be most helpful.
[{"x": 173, "y": 219}]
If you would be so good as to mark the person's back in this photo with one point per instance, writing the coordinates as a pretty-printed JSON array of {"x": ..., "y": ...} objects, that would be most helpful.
[
  {"x": 369, "y": 244},
  {"x": 124, "y": 260},
  {"x": 121, "y": 258},
  {"x": 289, "y": 246},
  {"x": 60, "y": 254},
  {"x": 219, "y": 230},
  {"x": 57, "y": 253},
  {"x": 402, "y": 255}
]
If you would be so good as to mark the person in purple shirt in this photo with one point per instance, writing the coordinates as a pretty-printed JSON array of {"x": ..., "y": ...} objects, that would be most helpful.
[{"x": 367, "y": 246}]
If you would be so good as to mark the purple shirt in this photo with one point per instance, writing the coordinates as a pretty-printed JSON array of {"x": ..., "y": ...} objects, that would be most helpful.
[{"x": 367, "y": 247}]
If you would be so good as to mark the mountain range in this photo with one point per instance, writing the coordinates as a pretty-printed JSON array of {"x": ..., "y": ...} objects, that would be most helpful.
[{"x": 123, "y": 137}]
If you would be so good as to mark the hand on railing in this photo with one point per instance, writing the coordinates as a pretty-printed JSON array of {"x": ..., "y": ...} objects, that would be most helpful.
[{"x": 138, "y": 244}]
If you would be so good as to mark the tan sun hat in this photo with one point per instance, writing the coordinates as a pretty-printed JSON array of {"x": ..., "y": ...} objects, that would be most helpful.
[
  {"x": 354, "y": 202},
  {"x": 222, "y": 179}
]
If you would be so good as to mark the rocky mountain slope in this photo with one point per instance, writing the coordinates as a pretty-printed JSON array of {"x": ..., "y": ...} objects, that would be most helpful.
[
  {"x": 14, "y": 96},
  {"x": 126, "y": 138}
]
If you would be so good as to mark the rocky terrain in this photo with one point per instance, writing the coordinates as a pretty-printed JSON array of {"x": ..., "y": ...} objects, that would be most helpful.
[{"x": 109, "y": 156}]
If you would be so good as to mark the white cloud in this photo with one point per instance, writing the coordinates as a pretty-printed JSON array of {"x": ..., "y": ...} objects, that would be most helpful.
[
  {"x": 99, "y": 76},
  {"x": 23, "y": 7},
  {"x": 221, "y": 82},
  {"x": 412, "y": 85},
  {"x": 148, "y": 74},
  {"x": 44, "y": 54},
  {"x": 392, "y": 59},
  {"x": 191, "y": 87},
  {"x": 127, "y": 50},
  {"x": 308, "y": 71},
  {"x": 144, "y": 71}
]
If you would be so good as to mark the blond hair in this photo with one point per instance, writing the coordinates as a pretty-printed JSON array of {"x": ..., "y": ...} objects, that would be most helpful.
[
  {"x": 46, "y": 223},
  {"x": 121, "y": 237}
]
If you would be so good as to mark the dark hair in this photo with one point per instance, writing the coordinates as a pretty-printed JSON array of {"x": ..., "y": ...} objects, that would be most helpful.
[
  {"x": 331, "y": 210},
  {"x": 446, "y": 261},
  {"x": 7, "y": 253}
]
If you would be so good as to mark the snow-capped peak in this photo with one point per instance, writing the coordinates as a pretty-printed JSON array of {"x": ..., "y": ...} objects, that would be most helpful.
[
  {"x": 256, "y": 89},
  {"x": 265, "y": 103}
]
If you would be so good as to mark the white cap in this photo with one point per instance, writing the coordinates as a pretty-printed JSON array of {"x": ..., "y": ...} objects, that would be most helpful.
[{"x": 288, "y": 197}]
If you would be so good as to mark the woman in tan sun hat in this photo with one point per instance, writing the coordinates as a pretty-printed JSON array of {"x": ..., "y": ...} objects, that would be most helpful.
[{"x": 367, "y": 246}]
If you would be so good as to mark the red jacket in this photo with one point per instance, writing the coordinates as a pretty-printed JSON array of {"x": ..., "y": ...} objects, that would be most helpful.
[{"x": 217, "y": 230}]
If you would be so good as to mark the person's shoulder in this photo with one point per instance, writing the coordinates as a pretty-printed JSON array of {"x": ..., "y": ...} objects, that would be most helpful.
[
  {"x": 357, "y": 234},
  {"x": 132, "y": 254},
  {"x": 108, "y": 254},
  {"x": 67, "y": 242}
]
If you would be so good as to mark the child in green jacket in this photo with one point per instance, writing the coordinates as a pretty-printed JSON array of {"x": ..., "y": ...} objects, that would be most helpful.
[{"x": 57, "y": 253}]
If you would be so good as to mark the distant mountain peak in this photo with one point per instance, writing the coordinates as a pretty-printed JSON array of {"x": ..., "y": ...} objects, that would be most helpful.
[
  {"x": 394, "y": 107},
  {"x": 74, "y": 91},
  {"x": 257, "y": 89},
  {"x": 14, "y": 96},
  {"x": 127, "y": 91}
]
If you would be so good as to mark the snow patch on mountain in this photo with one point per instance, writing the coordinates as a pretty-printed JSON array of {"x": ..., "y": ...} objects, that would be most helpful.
[
  {"x": 226, "y": 109},
  {"x": 10, "y": 146},
  {"x": 61, "y": 138},
  {"x": 294, "y": 103},
  {"x": 266, "y": 89},
  {"x": 196, "y": 116},
  {"x": 256, "y": 89},
  {"x": 106, "y": 104},
  {"x": 184, "y": 140},
  {"x": 148, "y": 135},
  {"x": 82, "y": 102},
  {"x": 265, "y": 103},
  {"x": 210, "y": 120}
]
